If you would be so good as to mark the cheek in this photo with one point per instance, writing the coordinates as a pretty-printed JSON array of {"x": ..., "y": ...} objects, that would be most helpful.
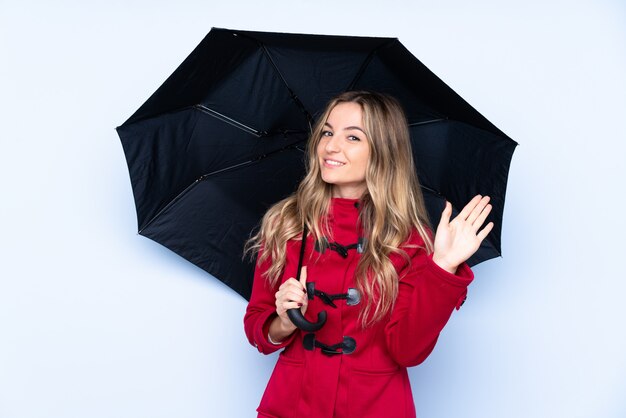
[
  {"x": 364, "y": 158},
  {"x": 319, "y": 149}
]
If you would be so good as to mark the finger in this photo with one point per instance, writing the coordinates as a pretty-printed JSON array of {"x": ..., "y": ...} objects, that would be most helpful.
[
  {"x": 284, "y": 285},
  {"x": 481, "y": 218},
  {"x": 445, "y": 215},
  {"x": 486, "y": 230},
  {"x": 285, "y": 306},
  {"x": 293, "y": 283},
  {"x": 303, "y": 278},
  {"x": 478, "y": 210},
  {"x": 469, "y": 207},
  {"x": 295, "y": 296},
  {"x": 289, "y": 293},
  {"x": 279, "y": 297}
]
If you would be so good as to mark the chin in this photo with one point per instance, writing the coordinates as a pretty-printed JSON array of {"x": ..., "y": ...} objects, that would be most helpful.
[{"x": 327, "y": 180}]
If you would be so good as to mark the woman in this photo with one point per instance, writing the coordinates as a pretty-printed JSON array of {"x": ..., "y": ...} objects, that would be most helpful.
[{"x": 369, "y": 261}]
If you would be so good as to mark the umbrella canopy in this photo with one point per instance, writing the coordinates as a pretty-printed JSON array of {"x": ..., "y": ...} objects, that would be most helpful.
[{"x": 223, "y": 138}]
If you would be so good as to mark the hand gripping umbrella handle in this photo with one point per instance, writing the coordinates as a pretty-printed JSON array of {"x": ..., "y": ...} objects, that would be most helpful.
[{"x": 295, "y": 315}]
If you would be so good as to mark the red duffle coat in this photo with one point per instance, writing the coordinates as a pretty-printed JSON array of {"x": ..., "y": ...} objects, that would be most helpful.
[{"x": 372, "y": 381}]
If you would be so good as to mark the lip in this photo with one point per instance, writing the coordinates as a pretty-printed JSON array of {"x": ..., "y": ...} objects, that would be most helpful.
[{"x": 330, "y": 163}]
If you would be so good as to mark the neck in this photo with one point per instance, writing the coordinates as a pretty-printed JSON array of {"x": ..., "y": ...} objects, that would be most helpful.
[{"x": 348, "y": 193}]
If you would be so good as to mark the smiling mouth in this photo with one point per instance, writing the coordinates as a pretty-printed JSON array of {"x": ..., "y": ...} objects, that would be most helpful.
[{"x": 334, "y": 163}]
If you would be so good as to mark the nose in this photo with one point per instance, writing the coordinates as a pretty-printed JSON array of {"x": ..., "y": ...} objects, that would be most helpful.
[{"x": 332, "y": 144}]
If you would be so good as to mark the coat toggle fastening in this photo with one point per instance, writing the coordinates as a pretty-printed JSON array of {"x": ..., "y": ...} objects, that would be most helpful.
[
  {"x": 347, "y": 346},
  {"x": 352, "y": 297},
  {"x": 323, "y": 244}
]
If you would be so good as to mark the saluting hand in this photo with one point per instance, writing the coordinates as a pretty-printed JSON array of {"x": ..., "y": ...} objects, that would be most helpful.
[
  {"x": 291, "y": 295},
  {"x": 459, "y": 239}
]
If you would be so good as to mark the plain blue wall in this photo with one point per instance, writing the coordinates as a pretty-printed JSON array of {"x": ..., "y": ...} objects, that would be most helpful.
[{"x": 96, "y": 321}]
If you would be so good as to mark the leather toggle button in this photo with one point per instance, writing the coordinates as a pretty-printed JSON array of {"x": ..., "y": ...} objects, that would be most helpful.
[
  {"x": 347, "y": 346},
  {"x": 339, "y": 249},
  {"x": 309, "y": 342},
  {"x": 327, "y": 299},
  {"x": 321, "y": 245},
  {"x": 310, "y": 290},
  {"x": 354, "y": 297},
  {"x": 360, "y": 247}
]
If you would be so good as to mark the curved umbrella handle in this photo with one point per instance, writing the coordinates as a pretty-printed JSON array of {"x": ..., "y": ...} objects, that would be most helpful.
[
  {"x": 301, "y": 322},
  {"x": 295, "y": 315}
]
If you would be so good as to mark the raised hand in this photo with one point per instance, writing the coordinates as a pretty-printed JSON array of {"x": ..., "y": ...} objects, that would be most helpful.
[
  {"x": 291, "y": 294},
  {"x": 459, "y": 239}
]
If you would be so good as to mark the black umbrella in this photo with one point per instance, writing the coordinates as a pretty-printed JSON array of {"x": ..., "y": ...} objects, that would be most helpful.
[{"x": 223, "y": 138}]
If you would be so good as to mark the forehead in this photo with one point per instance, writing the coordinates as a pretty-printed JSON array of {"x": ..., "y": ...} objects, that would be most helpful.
[{"x": 345, "y": 114}]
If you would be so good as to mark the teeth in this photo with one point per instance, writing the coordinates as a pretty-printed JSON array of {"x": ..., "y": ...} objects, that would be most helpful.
[{"x": 335, "y": 163}]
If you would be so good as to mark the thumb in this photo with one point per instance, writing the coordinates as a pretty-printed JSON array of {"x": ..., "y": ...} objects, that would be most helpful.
[
  {"x": 303, "y": 277},
  {"x": 445, "y": 215}
]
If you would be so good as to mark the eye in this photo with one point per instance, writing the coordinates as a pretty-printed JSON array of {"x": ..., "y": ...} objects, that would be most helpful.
[
  {"x": 327, "y": 133},
  {"x": 353, "y": 138}
]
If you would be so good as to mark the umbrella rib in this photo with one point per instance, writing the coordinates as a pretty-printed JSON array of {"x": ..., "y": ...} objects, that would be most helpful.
[
  {"x": 204, "y": 177},
  {"x": 293, "y": 95},
  {"x": 228, "y": 120},
  {"x": 427, "y": 122},
  {"x": 368, "y": 59},
  {"x": 431, "y": 190},
  {"x": 254, "y": 160},
  {"x": 232, "y": 122}
]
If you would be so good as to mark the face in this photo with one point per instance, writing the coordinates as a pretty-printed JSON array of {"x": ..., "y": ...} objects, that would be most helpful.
[{"x": 344, "y": 150}]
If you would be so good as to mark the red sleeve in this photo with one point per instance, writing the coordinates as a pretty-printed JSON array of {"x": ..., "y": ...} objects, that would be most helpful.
[
  {"x": 427, "y": 296},
  {"x": 261, "y": 311}
]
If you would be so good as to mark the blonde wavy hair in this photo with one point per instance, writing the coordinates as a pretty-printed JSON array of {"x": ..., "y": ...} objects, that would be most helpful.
[{"x": 390, "y": 210}]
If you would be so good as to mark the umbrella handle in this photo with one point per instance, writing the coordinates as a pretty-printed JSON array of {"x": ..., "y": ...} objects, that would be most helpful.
[
  {"x": 301, "y": 322},
  {"x": 295, "y": 315}
]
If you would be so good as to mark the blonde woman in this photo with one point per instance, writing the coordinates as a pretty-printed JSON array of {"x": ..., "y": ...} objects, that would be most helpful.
[{"x": 369, "y": 261}]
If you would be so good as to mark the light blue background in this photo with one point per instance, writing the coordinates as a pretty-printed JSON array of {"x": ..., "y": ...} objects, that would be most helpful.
[{"x": 96, "y": 321}]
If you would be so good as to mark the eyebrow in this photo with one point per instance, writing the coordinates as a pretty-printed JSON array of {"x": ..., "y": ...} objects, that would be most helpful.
[{"x": 345, "y": 129}]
